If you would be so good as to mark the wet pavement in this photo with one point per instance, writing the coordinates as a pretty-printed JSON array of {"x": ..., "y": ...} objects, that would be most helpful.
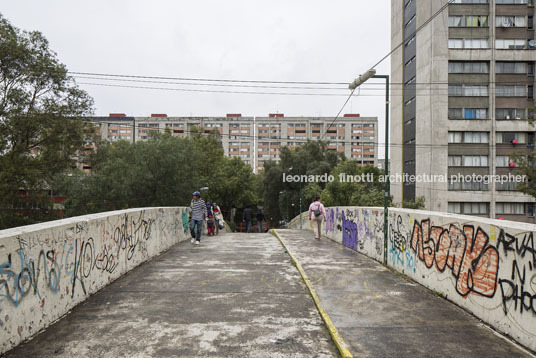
[
  {"x": 235, "y": 295},
  {"x": 380, "y": 313}
]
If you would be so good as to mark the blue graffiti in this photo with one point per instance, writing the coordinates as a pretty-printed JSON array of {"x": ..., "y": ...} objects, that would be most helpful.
[{"x": 349, "y": 233}]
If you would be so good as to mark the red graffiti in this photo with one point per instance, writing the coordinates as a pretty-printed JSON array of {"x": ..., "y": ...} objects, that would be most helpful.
[{"x": 473, "y": 261}]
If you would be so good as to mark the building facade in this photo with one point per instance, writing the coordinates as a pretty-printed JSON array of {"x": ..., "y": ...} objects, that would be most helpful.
[
  {"x": 463, "y": 91},
  {"x": 255, "y": 139}
]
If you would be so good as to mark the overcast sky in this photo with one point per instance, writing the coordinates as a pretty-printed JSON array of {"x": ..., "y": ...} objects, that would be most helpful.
[{"x": 332, "y": 41}]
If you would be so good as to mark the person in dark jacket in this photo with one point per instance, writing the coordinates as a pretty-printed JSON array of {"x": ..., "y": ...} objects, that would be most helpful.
[
  {"x": 260, "y": 219},
  {"x": 246, "y": 217}
]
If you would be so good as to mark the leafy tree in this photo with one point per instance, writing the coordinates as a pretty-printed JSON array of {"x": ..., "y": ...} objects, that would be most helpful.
[
  {"x": 162, "y": 171},
  {"x": 418, "y": 203},
  {"x": 273, "y": 191},
  {"x": 525, "y": 166},
  {"x": 365, "y": 190},
  {"x": 42, "y": 115}
]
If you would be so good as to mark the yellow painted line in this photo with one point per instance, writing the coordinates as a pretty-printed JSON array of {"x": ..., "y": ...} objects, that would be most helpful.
[{"x": 339, "y": 342}]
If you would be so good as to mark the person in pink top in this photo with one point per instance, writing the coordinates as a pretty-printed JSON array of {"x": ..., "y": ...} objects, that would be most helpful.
[{"x": 316, "y": 213}]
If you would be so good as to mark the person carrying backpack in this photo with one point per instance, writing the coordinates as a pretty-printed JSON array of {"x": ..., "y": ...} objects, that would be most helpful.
[{"x": 317, "y": 212}]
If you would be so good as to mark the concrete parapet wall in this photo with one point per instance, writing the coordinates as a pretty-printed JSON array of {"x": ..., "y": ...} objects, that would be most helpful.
[
  {"x": 47, "y": 269},
  {"x": 486, "y": 266}
]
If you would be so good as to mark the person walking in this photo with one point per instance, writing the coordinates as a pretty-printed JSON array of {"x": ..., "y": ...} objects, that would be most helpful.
[
  {"x": 198, "y": 213},
  {"x": 246, "y": 217},
  {"x": 260, "y": 219},
  {"x": 218, "y": 218},
  {"x": 316, "y": 213}
]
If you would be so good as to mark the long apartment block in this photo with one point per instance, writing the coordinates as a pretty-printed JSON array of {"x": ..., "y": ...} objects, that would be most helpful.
[
  {"x": 255, "y": 139},
  {"x": 462, "y": 99}
]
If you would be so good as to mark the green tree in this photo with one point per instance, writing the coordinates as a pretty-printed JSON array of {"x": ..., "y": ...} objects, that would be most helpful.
[
  {"x": 42, "y": 113},
  {"x": 418, "y": 203},
  {"x": 365, "y": 188}
]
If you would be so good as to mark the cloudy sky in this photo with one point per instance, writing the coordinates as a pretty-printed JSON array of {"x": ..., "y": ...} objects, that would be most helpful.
[{"x": 298, "y": 40}]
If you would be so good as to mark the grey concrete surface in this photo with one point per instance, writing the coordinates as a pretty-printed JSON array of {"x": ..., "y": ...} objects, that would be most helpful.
[
  {"x": 235, "y": 295},
  {"x": 380, "y": 313}
]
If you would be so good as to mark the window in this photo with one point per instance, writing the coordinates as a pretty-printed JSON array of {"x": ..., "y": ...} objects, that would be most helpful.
[
  {"x": 502, "y": 161},
  {"x": 411, "y": 61},
  {"x": 411, "y": 81},
  {"x": 475, "y": 67},
  {"x": 468, "y": 90},
  {"x": 468, "y": 161},
  {"x": 468, "y": 43},
  {"x": 511, "y": 67},
  {"x": 511, "y": 91},
  {"x": 475, "y": 91},
  {"x": 475, "y": 208},
  {"x": 474, "y": 186},
  {"x": 510, "y": 44},
  {"x": 455, "y": 161},
  {"x": 468, "y": 137},
  {"x": 476, "y": 21},
  {"x": 476, "y": 113},
  {"x": 455, "y": 113},
  {"x": 410, "y": 101},
  {"x": 510, "y": 21},
  {"x": 455, "y": 67},
  {"x": 455, "y": 137},
  {"x": 475, "y": 160},
  {"x": 511, "y": 1},
  {"x": 455, "y": 43},
  {"x": 475, "y": 43},
  {"x": 475, "y": 137},
  {"x": 410, "y": 41},
  {"x": 455, "y": 208},
  {"x": 510, "y": 208},
  {"x": 455, "y": 21},
  {"x": 468, "y": 185},
  {"x": 506, "y": 186},
  {"x": 455, "y": 90},
  {"x": 510, "y": 114},
  {"x": 468, "y": 208},
  {"x": 470, "y": 1},
  {"x": 411, "y": 20},
  {"x": 468, "y": 67},
  {"x": 510, "y": 137}
]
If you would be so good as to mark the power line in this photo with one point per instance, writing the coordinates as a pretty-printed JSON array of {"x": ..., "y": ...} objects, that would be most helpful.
[
  {"x": 207, "y": 79},
  {"x": 206, "y": 84},
  {"x": 213, "y": 91},
  {"x": 372, "y": 84}
]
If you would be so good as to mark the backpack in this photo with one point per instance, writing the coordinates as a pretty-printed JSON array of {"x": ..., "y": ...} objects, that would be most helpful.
[{"x": 317, "y": 211}]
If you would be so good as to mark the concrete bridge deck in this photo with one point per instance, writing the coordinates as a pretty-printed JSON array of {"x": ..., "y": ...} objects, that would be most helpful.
[{"x": 239, "y": 295}]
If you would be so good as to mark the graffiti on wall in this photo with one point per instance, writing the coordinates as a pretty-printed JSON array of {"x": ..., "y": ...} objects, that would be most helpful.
[
  {"x": 473, "y": 261},
  {"x": 349, "y": 232},
  {"x": 64, "y": 263},
  {"x": 399, "y": 255},
  {"x": 515, "y": 287}
]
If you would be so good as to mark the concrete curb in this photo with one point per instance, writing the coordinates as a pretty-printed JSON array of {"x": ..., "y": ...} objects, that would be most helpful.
[{"x": 339, "y": 342}]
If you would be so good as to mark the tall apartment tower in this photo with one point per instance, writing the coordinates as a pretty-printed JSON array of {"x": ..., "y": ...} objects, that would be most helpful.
[{"x": 463, "y": 91}]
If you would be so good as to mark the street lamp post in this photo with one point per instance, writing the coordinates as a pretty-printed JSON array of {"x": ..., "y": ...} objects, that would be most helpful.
[{"x": 387, "y": 191}]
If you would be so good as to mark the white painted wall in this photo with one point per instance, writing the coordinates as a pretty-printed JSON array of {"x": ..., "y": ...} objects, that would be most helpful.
[
  {"x": 486, "y": 266},
  {"x": 47, "y": 269}
]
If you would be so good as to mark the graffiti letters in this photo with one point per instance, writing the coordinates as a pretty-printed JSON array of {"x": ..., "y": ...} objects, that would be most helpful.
[{"x": 472, "y": 260}]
